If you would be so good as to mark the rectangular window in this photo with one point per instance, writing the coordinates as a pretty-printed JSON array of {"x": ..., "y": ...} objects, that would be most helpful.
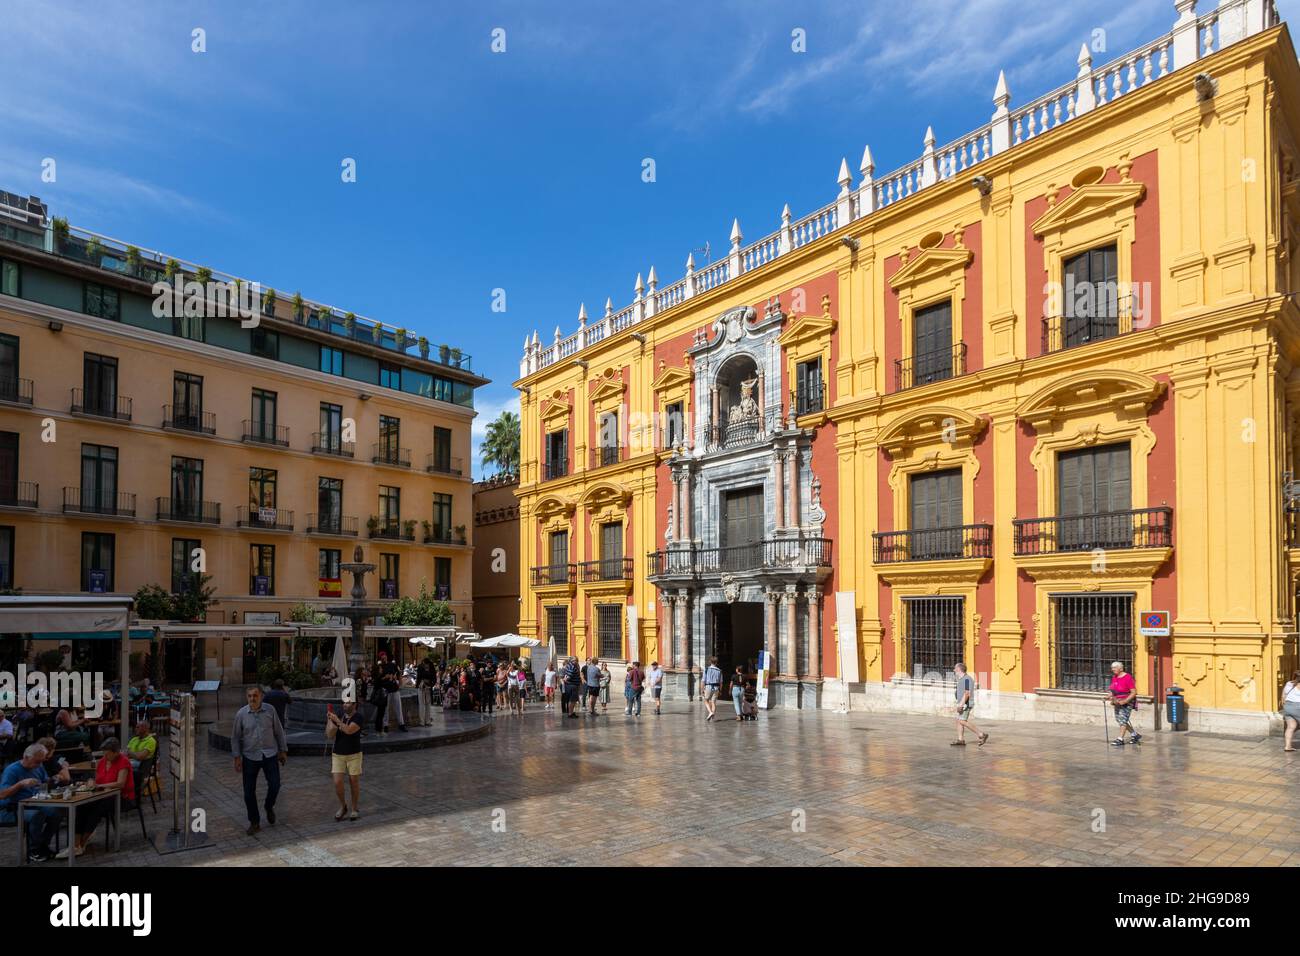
[
  {"x": 1090, "y": 299},
  {"x": 609, "y": 628},
  {"x": 389, "y": 575},
  {"x": 98, "y": 479},
  {"x": 9, "y": 390},
  {"x": 97, "y": 553},
  {"x": 261, "y": 490},
  {"x": 190, "y": 327},
  {"x": 261, "y": 570},
  {"x": 557, "y": 454},
  {"x": 932, "y": 348},
  {"x": 10, "y": 278},
  {"x": 441, "y": 517},
  {"x": 607, "y": 438},
  {"x": 329, "y": 576},
  {"x": 265, "y": 343},
  {"x": 9, "y": 467},
  {"x": 559, "y": 550},
  {"x": 442, "y": 579},
  {"x": 935, "y": 633},
  {"x": 390, "y": 508},
  {"x": 611, "y": 551},
  {"x": 936, "y": 519},
  {"x": 1094, "y": 498},
  {"x": 6, "y": 557},
  {"x": 187, "y": 400},
  {"x": 390, "y": 376},
  {"x": 182, "y": 560},
  {"x": 101, "y": 301},
  {"x": 557, "y": 629},
  {"x": 442, "y": 389},
  {"x": 329, "y": 504},
  {"x": 390, "y": 434},
  {"x": 187, "y": 488},
  {"x": 99, "y": 384},
  {"x": 331, "y": 360},
  {"x": 674, "y": 425},
  {"x": 742, "y": 528},
  {"x": 1088, "y": 632},
  {"x": 808, "y": 387},
  {"x": 331, "y": 428},
  {"x": 441, "y": 449}
]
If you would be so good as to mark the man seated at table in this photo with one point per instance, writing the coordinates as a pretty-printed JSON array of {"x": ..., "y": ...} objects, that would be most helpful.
[
  {"x": 23, "y": 779},
  {"x": 143, "y": 746},
  {"x": 68, "y": 730},
  {"x": 113, "y": 771}
]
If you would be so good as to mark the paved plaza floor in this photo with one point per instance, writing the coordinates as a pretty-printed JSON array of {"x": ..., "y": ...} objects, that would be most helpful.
[{"x": 795, "y": 788}]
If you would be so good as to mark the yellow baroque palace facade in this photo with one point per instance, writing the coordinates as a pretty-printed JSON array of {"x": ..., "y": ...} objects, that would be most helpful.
[{"x": 995, "y": 406}]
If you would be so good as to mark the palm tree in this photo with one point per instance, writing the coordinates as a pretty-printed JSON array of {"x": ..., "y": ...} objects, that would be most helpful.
[{"x": 501, "y": 445}]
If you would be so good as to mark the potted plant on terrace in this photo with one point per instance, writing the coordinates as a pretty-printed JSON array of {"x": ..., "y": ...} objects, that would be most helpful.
[
  {"x": 133, "y": 260},
  {"x": 428, "y": 529},
  {"x": 297, "y": 307},
  {"x": 268, "y": 302},
  {"x": 372, "y": 525},
  {"x": 171, "y": 268},
  {"x": 203, "y": 276},
  {"x": 444, "y": 351},
  {"x": 350, "y": 323},
  {"x": 460, "y": 534},
  {"x": 60, "y": 227},
  {"x": 424, "y": 347},
  {"x": 455, "y": 357},
  {"x": 94, "y": 250},
  {"x": 377, "y": 333},
  {"x": 399, "y": 338},
  {"x": 408, "y": 527}
]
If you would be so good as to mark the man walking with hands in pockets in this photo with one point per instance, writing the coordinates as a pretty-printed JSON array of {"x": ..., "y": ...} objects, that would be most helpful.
[{"x": 258, "y": 743}]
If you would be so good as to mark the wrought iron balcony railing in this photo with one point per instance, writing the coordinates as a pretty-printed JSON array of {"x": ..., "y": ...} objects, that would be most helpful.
[
  {"x": 555, "y": 468},
  {"x": 936, "y": 544},
  {"x": 1138, "y": 528},
  {"x": 1067, "y": 331},
  {"x": 16, "y": 391},
  {"x": 606, "y": 569},
  {"x": 189, "y": 420},
  {"x": 930, "y": 367},
  {"x": 437, "y": 464},
  {"x": 607, "y": 455},
  {"x": 19, "y": 494},
  {"x": 267, "y": 519},
  {"x": 266, "y": 433},
  {"x": 331, "y": 524},
  {"x": 378, "y": 526},
  {"x": 771, "y": 554},
  {"x": 551, "y": 574},
  {"x": 184, "y": 509},
  {"x": 92, "y": 501},
  {"x": 383, "y": 454},
  {"x": 329, "y": 443},
  {"x": 727, "y": 432},
  {"x": 101, "y": 406},
  {"x": 811, "y": 398}
]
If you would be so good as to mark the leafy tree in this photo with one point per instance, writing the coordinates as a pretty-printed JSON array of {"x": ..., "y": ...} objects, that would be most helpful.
[
  {"x": 152, "y": 603},
  {"x": 192, "y": 604},
  {"x": 422, "y": 611},
  {"x": 304, "y": 613},
  {"x": 501, "y": 445}
]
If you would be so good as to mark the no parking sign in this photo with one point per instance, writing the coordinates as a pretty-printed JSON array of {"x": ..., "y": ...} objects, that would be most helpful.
[{"x": 1154, "y": 623}]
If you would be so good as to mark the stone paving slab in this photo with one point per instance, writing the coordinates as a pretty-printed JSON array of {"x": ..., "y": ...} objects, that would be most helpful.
[{"x": 795, "y": 788}]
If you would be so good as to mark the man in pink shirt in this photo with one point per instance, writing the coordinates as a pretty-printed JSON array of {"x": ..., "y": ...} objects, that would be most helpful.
[{"x": 1123, "y": 697}]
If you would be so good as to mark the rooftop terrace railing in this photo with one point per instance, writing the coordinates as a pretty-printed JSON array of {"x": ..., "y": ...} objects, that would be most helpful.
[{"x": 1191, "y": 38}]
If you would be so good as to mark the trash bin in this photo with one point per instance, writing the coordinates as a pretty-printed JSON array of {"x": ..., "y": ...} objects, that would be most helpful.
[{"x": 1175, "y": 708}]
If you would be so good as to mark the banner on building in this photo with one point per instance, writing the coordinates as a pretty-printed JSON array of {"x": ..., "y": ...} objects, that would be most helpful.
[{"x": 846, "y": 619}]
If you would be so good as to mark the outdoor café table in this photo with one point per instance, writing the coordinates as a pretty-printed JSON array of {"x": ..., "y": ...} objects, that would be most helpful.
[{"x": 71, "y": 804}]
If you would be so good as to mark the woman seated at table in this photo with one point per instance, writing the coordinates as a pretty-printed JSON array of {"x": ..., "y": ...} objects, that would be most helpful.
[
  {"x": 68, "y": 730},
  {"x": 113, "y": 770}
]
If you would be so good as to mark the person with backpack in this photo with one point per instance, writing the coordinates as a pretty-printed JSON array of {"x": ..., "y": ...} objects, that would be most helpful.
[
  {"x": 965, "y": 696},
  {"x": 712, "y": 682}
]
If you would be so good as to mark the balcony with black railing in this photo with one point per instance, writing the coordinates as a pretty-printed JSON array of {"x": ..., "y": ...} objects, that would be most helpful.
[
  {"x": 332, "y": 524},
  {"x": 736, "y": 431},
  {"x": 16, "y": 391},
  {"x": 437, "y": 464},
  {"x": 435, "y": 535},
  {"x": 934, "y": 544},
  {"x": 554, "y": 468},
  {"x": 810, "y": 399},
  {"x": 98, "y": 501},
  {"x": 390, "y": 529},
  {"x": 189, "y": 510},
  {"x": 1111, "y": 316},
  {"x": 266, "y": 433},
  {"x": 98, "y": 405},
  {"x": 186, "y": 419},
  {"x": 606, "y": 455},
  {"x": 329, "y": 443},
  {"x": 936, "y": 366},
  {"x": 773, "y": 554},
  {"x": 19, "y": 494},
  {"x": 554, "y": 575},
  {"x": 1137, "y": 528},
  {"x": 382, "y": 453},
  {"x": 264, "y": 519},
  {"x": 605, "y": 569}
]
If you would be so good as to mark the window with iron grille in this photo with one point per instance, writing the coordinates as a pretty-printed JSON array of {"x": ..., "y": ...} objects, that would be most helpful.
[
  {"x": 557, "y": 454},
  {"x": 936, "y": 515},
  {"x": 611, "y": 551},
  {"x": 557, "y": 629},
  {"x": 1094, "y": 495},
  {"x": 607, "y": 437},
  {"x": 1089, "y": 631},
  {"x": 609, "y": 628},
  {"x": 559, "y": 549},
  {"x": 935, "y": 630}
]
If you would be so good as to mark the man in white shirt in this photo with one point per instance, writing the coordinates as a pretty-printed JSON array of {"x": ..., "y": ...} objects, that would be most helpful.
[
  {"x": 548, "y": 684},
  {"x": 656, "y": 681},
  {"x": 712, "y": 684}
]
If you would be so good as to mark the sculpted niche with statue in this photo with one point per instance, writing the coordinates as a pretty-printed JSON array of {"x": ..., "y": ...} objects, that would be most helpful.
[{"x": 747, "y": 410}]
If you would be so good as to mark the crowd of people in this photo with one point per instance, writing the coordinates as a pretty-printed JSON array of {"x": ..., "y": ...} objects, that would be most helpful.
[{"x": 483, "y": 685}]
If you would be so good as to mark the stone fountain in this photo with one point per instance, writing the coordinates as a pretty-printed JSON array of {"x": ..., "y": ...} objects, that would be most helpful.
[{"x": 359, "y": 613}]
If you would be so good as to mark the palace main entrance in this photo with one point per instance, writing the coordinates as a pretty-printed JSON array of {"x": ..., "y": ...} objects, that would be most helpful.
[{"x": 736, "y": 636}]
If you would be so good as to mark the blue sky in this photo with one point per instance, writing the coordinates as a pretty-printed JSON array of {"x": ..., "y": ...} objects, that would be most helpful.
[{"x": 477, "y": 170}]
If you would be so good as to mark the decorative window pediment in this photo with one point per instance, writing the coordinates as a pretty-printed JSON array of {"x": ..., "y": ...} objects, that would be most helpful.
[
  {"x": 670, "y": 379},
  {"x": 602, "y": 494},
  {"x": 1087, "y": 393},
  {"x": 930, "y": 264},
  {"x": 933, "y": 425},
  {"x": 1097, "y": 201},
  {"x": 554, "y": 506},
  {"x": 809, "y": 328},
  {"x": 555, "y": 407},
  {"x": 609, "y": 390}
]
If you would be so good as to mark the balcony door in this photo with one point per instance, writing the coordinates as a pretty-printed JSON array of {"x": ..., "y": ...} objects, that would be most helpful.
[
  {"x": 329, "y": 504},
  {"x": 611, "y": 551},
  {"x": 1094, "y": 495},
  {"x": 742, "y": 529},
  {"x": 1091, "y": 304},
  {"x": 187, "y": 400},
  {"x": 98, "y": 479},
  {"x": 936, "y": 515},
  {"x": 932, "y": 344},
  {"x": 187, "y": 487},
  {"x": 99, "y": 384},
  {"x": 9, "y": 367},
  {"x": 8, "y": 467},
  {"x": 263, "y": 411}
]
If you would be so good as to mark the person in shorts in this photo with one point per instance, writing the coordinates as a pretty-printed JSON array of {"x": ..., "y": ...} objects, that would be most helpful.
[
  {"x": 656, "y": 681},
  {"x": 593, "y": 686},
  {"x": 965, "y": 697},
  {"x": 548, "y": 686},
  {"x": 345, "y": 757},
  {"x": 712, "y": 684},
  {"x": 1123, "y": 697},
  {"x": 1291, "y": 710}
]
